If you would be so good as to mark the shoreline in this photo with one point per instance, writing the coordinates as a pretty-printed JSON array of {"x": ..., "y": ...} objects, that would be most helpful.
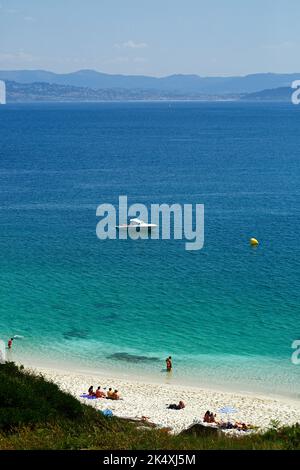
[
  {"x": 148, "y": 398},
  {"x": 158, "y": 376}
]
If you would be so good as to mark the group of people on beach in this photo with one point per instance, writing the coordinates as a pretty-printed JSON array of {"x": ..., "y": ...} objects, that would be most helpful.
[
  {"x": 210, "y": 417},
  {"x": 110, "y": 395}
]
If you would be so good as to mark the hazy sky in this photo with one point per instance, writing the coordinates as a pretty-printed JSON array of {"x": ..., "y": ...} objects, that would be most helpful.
[{"x": 153, "y": 37}]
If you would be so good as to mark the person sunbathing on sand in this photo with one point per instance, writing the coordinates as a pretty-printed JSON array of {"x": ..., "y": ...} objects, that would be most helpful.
[
  {"x": 115, "y": 395},
  {"x": 213, "y": 418},
  {"x": 91, "y": 391},
  {"x": 109, "y": 393},
  {"x": 173, "y": 406},
  {"x": 228, "y": 425},
  {"x": 210, "y": 418},
  {"x": 145, "y": 418},
  {"x": 241, "y": 426},
  {"x": 99, "y": 393}
]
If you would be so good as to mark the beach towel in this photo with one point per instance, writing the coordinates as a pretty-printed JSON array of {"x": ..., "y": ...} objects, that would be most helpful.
[{"x": 89, "y": 397}]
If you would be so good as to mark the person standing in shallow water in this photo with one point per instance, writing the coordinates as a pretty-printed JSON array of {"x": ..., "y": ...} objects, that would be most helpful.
[
  {"x": 169, "y": 364},
  {"x": 10, "y": 342}
]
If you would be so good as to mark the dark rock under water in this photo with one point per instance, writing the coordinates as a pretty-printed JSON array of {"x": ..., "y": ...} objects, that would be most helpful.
[
  {"x": 123, "y": 356},
  {"x": 109, "y": 317},
  {"x": 75, "y": 333}
]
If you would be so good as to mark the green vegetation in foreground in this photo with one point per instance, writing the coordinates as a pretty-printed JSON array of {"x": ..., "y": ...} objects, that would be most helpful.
[{"x": 36, "y": 414}]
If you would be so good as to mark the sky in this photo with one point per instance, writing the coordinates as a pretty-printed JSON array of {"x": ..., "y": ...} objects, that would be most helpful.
[{"x": 151, "y": 37}]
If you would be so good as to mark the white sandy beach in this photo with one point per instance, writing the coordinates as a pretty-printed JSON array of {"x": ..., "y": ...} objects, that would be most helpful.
[{"x": 150, "y": 399}]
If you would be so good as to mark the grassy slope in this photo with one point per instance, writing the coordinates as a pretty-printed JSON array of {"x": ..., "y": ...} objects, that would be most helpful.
[{"x": 35, "y": 414}]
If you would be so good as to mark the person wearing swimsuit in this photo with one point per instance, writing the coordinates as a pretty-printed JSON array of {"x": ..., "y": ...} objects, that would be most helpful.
[{"x": 169, "y": 364}]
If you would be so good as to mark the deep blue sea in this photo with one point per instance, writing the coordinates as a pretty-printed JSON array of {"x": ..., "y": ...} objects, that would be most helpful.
[{"x": 227, "y": 314}]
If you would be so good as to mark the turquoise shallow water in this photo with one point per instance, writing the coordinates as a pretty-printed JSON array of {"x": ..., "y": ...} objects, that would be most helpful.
[{"x": 227, "y": 314}]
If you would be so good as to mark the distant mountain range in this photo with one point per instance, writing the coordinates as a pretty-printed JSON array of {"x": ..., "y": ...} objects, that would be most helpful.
[
  {"x": 89, "y": 85},
  {"x": 274, "y": 94},
  {"x": 181, "y": 84},
  {"x": 40, "y": 91}
]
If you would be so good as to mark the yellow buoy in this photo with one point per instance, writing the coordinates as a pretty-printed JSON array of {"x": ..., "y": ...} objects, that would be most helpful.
[{"x": 254, "y": 242}]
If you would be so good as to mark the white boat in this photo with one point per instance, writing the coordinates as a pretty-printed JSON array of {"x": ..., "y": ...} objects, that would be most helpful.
[{"x": 137, "y": 225}]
